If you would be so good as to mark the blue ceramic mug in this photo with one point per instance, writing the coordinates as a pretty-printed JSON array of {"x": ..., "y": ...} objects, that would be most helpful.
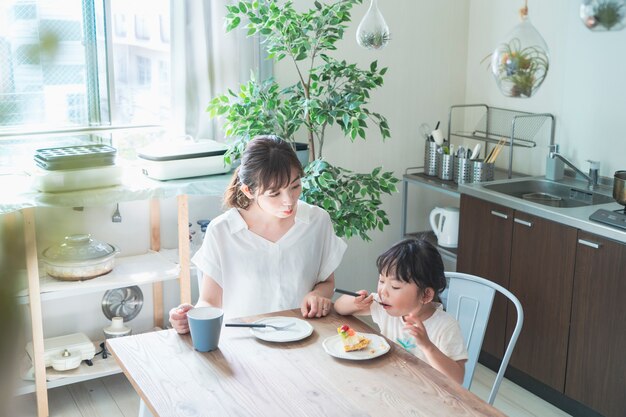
[{"x": 205, "y": 324}]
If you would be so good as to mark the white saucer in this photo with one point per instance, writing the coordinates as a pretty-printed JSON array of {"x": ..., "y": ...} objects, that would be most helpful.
[
  {"x": 301, "y": 329},
  {"x": 378, "y": 346}
]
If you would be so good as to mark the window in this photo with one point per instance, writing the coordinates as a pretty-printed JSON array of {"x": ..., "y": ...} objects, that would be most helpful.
[
  {"x": 144, "y": 71},
  {"x": 142, "y": 30},
  {"x": 119, "y": 24},
  {"x": 55, "y": 67}
]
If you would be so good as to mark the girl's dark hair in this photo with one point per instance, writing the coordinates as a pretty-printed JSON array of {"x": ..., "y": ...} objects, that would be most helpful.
[
  {"x": 266, "y": 164},
  {"x": 414, "y": 260}
]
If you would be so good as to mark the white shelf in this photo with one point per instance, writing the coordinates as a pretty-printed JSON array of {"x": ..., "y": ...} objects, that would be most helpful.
[{"x": 128, "y": 270}]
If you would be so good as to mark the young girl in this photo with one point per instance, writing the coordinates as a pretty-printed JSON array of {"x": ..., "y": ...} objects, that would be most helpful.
[
  {"x": 410, "y": 275},
  {"x": 269, "y": 251}
]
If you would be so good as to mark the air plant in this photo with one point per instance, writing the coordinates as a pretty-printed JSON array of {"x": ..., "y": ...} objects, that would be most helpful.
[{"x": 519, "y": 70}]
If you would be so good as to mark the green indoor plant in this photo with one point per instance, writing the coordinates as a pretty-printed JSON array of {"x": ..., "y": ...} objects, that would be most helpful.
[
  {"x": 328, "y": 91},
  {"x": 519, "y": 70}
]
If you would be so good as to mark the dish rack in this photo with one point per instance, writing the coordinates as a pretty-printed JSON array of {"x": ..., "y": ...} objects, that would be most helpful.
[{"x": 494, "y": 125}]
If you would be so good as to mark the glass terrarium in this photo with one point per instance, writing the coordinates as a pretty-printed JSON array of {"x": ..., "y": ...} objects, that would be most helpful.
[
  {"x": 373, "y": 32},
  {"x": 520, "y": 64},
  {"x": 603, "y": 15}
]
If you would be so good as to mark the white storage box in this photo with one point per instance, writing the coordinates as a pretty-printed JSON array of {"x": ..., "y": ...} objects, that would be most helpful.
[
  {"x": 78, "y": 346},
  {"x": 76, "y": 179},
  {"x": 167, "y": 161}
]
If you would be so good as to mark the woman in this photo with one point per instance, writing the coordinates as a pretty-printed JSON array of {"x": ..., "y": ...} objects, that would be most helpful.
[{"x": 269, "y": 251}]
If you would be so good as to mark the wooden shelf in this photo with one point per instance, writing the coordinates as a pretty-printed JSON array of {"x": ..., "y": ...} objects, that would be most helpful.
[{"x": 129, "y": 270}]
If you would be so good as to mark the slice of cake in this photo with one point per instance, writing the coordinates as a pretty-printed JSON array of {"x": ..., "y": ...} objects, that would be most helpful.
[{"x": 351, "y": 339}]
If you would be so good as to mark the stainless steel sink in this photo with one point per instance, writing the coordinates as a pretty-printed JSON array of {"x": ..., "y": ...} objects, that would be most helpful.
[{"x": 550, "y": 193}]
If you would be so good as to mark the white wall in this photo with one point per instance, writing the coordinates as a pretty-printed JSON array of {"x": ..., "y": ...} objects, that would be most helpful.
[
  {"x": 585, "y": 88},
  {"x": 426, "y": 58}
]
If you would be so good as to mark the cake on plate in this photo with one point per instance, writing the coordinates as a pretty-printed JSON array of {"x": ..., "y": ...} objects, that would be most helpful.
[{"x": 351, "y": 339}]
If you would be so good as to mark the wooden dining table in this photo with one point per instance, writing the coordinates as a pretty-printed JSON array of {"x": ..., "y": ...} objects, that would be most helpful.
[{"x": 247, "y": 376}]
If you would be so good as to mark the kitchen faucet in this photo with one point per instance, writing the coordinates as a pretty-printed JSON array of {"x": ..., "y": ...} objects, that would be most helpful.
[{"x": 594, "y": 168}]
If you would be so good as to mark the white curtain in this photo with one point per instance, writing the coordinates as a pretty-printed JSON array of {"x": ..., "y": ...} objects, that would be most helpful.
[{"x": 207, "y": 61}]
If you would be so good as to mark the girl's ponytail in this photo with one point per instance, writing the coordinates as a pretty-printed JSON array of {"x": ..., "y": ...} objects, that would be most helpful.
[{"x": 233, "y": 196}]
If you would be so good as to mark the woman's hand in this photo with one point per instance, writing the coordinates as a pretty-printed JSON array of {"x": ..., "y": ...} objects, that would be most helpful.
[
  {"x": 315, "y": 305},
  {"x": 178, "y": 318}
]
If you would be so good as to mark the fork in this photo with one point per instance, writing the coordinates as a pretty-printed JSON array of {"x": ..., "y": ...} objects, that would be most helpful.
[
  {"x": 117, "y": 217},
  {"x": 262, "y": 325}
]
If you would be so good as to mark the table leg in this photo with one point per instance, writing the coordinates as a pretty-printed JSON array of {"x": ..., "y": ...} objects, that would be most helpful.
[{"x": 143, "y": 410}]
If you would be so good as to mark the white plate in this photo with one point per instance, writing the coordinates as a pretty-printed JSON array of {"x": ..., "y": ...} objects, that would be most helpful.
[
  {"x": 378, "y": 346},
  {"x": 300, "y": 330}
]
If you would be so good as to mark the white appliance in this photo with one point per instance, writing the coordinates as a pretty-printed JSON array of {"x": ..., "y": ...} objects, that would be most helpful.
[
  {"x": 183, "y": 159},
  {"x": 65, "y": 352},
  {"x": 445, "y": 224}
]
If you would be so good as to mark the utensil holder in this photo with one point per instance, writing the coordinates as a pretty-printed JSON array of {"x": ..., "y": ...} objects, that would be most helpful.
[
  {"x": 430, "y": 158},
  {"x": 482, "y": 171},
  {"x": 462, "y": 170},
  {"x": 445, "y": 166}
]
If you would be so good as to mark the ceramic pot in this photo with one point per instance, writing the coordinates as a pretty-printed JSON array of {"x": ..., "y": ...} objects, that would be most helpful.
[{"x": 79, "y": 258}]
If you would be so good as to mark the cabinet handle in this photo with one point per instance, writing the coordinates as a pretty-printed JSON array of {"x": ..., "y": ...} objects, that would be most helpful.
[
  {"x": 498, "y": 214},
  {"x": 588, "y": 243},
  {"x": 523, "y": 222}
]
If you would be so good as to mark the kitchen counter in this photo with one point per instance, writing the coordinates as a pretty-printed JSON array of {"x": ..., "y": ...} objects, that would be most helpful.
[{"x": 577, "y": 217}]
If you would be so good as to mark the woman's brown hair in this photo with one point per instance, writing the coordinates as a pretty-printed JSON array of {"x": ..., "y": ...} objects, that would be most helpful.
[{"x": 266, "y": 164}]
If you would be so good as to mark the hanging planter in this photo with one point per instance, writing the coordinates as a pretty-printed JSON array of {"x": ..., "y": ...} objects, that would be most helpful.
[
  {"x": 373, "y": 32},
  {"x": 520, "y": 64},
  {"x": 603, "y": 15}
]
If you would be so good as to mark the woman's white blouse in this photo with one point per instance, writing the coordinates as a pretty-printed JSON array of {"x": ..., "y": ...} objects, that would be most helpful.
[{"x": 258, "y": 276}]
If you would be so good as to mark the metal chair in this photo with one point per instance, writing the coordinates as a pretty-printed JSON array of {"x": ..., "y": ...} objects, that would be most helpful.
[{"x": 469, "y": 299}]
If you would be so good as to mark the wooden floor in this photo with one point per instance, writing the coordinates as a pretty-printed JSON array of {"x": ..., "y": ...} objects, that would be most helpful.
[{"x": 113, "y": 396}]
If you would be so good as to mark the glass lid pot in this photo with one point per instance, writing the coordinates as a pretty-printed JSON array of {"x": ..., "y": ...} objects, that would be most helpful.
[{"x": 79, "y": 248}]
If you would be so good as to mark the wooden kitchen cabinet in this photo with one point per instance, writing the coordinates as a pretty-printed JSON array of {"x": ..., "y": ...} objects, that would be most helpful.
[
  {"x": 596, "y": 363},
  {"x": 541, "y": 276},
  {"x": 485, "y": 232},
  {"x": 534, "y": 259}
]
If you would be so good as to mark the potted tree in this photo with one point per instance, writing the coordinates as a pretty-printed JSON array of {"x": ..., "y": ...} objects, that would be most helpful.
[{"x": 327, "y": 92}]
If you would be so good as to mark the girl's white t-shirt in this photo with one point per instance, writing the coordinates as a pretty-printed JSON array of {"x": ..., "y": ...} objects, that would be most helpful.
[
  {"x": 443, "y": 330},
  {"x": 258, "y": 276}
]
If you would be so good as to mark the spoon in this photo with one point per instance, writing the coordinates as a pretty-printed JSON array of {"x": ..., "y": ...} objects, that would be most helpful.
[{"x": 352, "y": 293}]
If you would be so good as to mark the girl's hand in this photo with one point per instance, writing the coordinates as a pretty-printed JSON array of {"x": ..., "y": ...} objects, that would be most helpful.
[
  {"x": 178, "y": 318},
  {"x": 363, "y": 301},
  {"x": 416, "y": 328},
  {"x": 315, "y": 305}
]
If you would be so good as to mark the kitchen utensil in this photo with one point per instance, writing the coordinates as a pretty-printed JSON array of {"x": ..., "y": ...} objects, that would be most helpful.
[
  {"x": 462, "y": 170},
  {"x": 445, "y": 166},
  {"x": 117, "y": 217},
  {"x": 205, "y": 326},
  {"x": 78, "y": 258},
  {"x": 73, "y": 157},
  {"x": 619, "y": 187},
  {"x": 481, "y": 171},
  {"x": 300, "y": 330},
  {"x": 261, "y": 325},
  {"x": 352, "y": 293},
  {"x": 437, "y": 136},
  {"x": 183, "y": 159},
  {"x": 430, "y": 158},
  {"x": 476, "y": 151},
  {"x": 378, "y": 346},
  {"x": 445, "y": 224},
  {"x": 116, "y": 329},
  {"x": 425, "y": 131},
  {"x": 122, "y": 302},
  {"x": 77, "y": 345}
]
